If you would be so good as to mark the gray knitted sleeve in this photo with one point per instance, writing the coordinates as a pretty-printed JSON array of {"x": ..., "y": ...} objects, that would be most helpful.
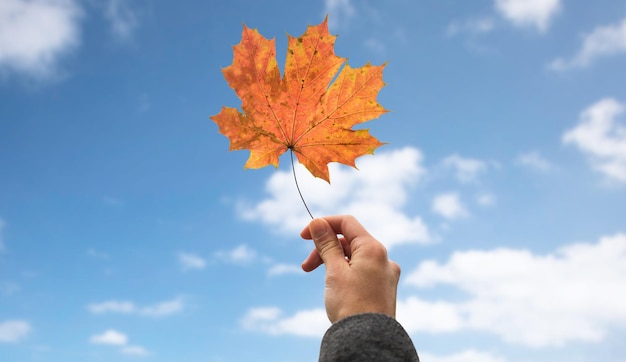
[{"x": 367, "y": 337}]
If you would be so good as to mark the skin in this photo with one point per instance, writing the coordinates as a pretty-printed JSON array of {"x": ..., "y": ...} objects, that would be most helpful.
[{"x": 360, "y": 278}]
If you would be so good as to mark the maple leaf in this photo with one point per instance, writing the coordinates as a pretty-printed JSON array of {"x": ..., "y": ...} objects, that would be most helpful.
[{"x": 302, "y": 112}]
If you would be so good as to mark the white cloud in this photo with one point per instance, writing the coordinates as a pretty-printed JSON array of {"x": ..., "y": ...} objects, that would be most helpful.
[
  {"x": 14, "y": 331},
  {"x": 134, "y": 351},
  {"x": 241, "y": 254},
  {"x": 144, "y": 103},
  {"x": 191, "y": 261},
  {"x": 471, "y": 26},
  {"x": 121, "y": 17},
  {"x": 449, "y": 206},
  {"x": 465, "y": 356},
  {"x": 260, "y": 314},
  {"x": 112, "y": 306},
  {"x": 535, "y": 161},
  {"x": 573, "y": 294},
  {"x": 602, "y": 138},
  {"x": 163, "y": 309},
  {"x": 112, "y": 201},
  {"x": 35, "y": 34},
  {"x": 97, "y": 254},
  {"x": 534, "y": 13},
  {"x": 486, "y": 199},
  {"x": 375, "y": 194},
  {"x": 376, "y": 45},
  {"x": 125, "y": 307},
  {"x": 601, "y": 42},
  {"x": 466, "y": 169},
  {"x": 338, "y": 11},
  {"x": 305, "y": 323},
  {"x": 111, "y": 337},
  {"x": 424, "y": 316},
  {"x": 9, "y": 288},
  {"x": 281, "y": 269}
]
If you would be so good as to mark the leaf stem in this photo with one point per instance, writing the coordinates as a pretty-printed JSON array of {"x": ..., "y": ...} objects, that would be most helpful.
[{"x": 293, "y": 169}]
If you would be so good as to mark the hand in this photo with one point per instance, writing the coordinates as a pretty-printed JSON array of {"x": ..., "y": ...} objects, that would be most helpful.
[{"x": 359, "y": 276}]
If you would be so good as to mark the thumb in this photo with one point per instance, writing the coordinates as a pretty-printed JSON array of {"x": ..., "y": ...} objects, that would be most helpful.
[{"x": 326, "y": 242}]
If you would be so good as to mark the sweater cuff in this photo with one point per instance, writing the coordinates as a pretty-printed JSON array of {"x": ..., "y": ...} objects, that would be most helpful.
[{"x": 367, "y": 337}]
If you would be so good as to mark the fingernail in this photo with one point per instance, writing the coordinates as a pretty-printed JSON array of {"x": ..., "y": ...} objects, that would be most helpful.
[{"x": 318, "y": 228}]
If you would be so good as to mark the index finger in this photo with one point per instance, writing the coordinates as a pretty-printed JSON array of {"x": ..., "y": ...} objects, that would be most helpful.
[{"x": 347, "y": 225}]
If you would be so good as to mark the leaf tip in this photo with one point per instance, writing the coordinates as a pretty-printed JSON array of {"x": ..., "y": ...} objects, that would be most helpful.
[{"x": 325, "y": 22}]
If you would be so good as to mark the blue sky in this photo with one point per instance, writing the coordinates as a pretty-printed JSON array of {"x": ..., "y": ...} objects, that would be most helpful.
[{"x": 128, "y": 231}]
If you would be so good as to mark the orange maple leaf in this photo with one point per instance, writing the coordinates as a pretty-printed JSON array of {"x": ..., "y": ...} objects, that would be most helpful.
[{"x": 302, "y": 112}]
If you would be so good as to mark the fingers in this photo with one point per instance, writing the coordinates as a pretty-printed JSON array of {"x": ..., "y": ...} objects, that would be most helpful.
[
  {"x": 346, "y": 225},
  {"x": 324, "y": 232},
  {"x": 327, "y": 245},
  {"x": 347, "y": 250},
  {"x": 329, "y": 227},
  {"x": 314, "y": 259}
]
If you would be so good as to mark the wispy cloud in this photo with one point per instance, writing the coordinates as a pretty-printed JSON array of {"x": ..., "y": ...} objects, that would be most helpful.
[
  {"x": 122, "y": 19},
  {"x": 282, "y": 269},
  {"x": 97, "y": 254},
  {"x": 34, "y": 35},
  {"x": 469, "y": 355},
  {"x": 134, "y": 351},
  {"x": 529, "y": 13},
  {"x": 112, "y": 337},
  {"x": 112, "y": 306},
  {"x": 241, "y": 254},
  {"x": 376, "y": 45},
  {"x": 163, "y": 309},
  {"x": 160, "y": 309},
  {"x": 602, "y": 42},
  {"x": 486, "y": 199},
  {"x": 546, "y": 300},
  {"x": 602, "y": 138},
  {"x": 9, "y": 288},
  {"x": 375, "y": 194},
  {"x": 14, "y": 331},
  {"x": 449, "y": 206},
  {"x": 471, "y": 26},
  {"x": 112, "y": 201},
  {"x": 270, "y": 320},
  {"x": 339, "y": 12},
  {"x": 534, "y": 160},
  {"x": 190, "y": 261},
  {"x": 465, "y": 169}
]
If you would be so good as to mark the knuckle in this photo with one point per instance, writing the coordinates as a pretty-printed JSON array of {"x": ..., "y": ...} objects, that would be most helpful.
[
  {"x": 377, "y": 252},
  {"x": 395, "y": 269},
  {"x": 327, "y": 245}
]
